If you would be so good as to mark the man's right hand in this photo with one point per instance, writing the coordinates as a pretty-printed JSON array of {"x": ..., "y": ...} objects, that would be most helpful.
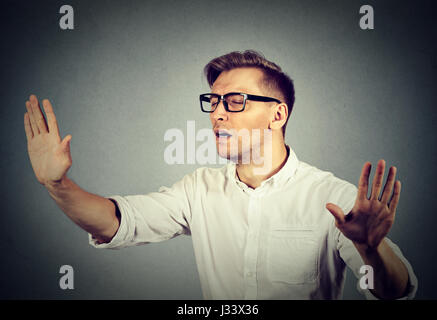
[{"x": 50, "y": 157}]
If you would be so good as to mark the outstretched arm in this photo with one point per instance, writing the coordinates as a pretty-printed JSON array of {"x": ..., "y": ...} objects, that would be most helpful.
[
  {"x": 51, "y": 159},
  {"x": 367, "y": 224}
]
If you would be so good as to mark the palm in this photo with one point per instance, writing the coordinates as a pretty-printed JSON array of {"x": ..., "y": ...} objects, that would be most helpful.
[
  {"x": 370, "y": 219},
  {"x": 50, "y": 157}
]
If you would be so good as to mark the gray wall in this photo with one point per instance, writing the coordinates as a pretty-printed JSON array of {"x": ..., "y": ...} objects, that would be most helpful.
[{"x": 130, "y": 70}]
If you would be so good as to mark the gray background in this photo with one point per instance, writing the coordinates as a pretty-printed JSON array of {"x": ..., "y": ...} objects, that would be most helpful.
[{"x": 130, "y": 70}]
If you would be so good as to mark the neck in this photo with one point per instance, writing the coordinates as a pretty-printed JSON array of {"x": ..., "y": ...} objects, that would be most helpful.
[{"x": 247, "y": 173}]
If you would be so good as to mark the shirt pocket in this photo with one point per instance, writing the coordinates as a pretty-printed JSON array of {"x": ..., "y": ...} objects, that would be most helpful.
[{"x": 293, "y": 255}]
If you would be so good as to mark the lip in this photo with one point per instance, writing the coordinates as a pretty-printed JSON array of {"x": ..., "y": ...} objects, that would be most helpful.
[
  {"x": 222, "y": 133},
  {"x": 222, "y": 138}
]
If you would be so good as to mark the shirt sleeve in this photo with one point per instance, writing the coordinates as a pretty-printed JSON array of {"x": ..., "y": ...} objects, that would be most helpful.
[
  {"x": 152, "y": 217},
  {"x": 352, "y": 258}
]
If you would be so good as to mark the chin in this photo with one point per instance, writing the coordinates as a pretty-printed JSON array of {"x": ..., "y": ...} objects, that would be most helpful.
[
  {"x": 233, "y": 153},
  {"x": 224, "y": 152}
]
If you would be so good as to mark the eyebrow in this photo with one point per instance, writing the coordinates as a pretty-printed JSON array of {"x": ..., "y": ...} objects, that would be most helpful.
[{"x": 242, "y": 90}]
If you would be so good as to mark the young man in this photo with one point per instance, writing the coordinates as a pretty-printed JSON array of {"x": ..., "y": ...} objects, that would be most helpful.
[{"x": 257, "y": 234}]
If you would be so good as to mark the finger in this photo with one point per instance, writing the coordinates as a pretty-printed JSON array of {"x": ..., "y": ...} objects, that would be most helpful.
[
  {"x": 27, "y": 127},
  {"x": 33, "y": 125},
  {"x": 395, "y": 198},
  {"x": 388, "y": 188},
  {"x": 377, "y": 180},
  {"x": 336, "y": 212},
  {"x": 363, "y": 183},
  {"x": 39, "y": 118},
  {"x": 51, "y": 118},
  {"x": 66, "y": 143}
]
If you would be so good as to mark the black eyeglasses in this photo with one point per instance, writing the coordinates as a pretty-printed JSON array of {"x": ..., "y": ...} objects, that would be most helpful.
[{"x": 233, "y": 101}]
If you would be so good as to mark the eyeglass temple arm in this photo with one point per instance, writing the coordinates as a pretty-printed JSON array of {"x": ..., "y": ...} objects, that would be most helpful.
[{"x": 261, "y": 98}]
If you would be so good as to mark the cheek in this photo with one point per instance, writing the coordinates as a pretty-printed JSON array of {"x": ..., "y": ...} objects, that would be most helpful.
[{"x": 259, "y": 119}]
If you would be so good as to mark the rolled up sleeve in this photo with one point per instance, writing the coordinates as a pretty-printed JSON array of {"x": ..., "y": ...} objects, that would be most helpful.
[
  {"x": 152, "y": 217},
  {"x": 350, "y": 255},
  {"x": 353, "y": 260}
]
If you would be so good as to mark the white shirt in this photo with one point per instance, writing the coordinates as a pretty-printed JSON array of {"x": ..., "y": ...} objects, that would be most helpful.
[{"x": 277, "y": 241}]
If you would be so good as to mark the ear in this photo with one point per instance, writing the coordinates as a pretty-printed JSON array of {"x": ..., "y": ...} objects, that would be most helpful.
[{"x": 279, "y": 116}]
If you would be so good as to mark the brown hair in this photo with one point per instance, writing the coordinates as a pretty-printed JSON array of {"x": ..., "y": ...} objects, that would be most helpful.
[{"x": 274, "y": 78}]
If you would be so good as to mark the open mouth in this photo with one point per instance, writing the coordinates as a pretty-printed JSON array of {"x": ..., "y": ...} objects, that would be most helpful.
[{"x": 222, "y": 134}]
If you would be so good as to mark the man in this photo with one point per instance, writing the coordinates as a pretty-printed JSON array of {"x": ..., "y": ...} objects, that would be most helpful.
[{"x": 256, "y": 234}]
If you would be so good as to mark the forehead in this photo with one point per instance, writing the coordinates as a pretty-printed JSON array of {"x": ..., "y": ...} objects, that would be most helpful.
[{"x": 245, "y": 80}]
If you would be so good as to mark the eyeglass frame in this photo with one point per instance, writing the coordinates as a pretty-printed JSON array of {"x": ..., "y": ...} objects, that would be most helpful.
[{"x": 246, "y": 96}]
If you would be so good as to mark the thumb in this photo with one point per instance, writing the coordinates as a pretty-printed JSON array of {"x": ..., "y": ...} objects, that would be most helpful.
[
  {"x": 65, "y": 143},
  {"x": 336, "y": 212}
]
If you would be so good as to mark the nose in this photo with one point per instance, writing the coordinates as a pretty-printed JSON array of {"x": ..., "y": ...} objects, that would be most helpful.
[{"x": 220, "y": 112}]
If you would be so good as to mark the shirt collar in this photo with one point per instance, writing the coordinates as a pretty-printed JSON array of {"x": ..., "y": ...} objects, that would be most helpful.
[{"x": 278, "y": 180}]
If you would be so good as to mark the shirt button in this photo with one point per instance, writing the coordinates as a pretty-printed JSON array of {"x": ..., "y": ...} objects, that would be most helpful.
[{"x": 250, "y": 274}]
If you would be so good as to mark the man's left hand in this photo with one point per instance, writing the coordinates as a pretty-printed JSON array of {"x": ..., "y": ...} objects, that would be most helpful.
[{"x": 371, "y": 218}]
